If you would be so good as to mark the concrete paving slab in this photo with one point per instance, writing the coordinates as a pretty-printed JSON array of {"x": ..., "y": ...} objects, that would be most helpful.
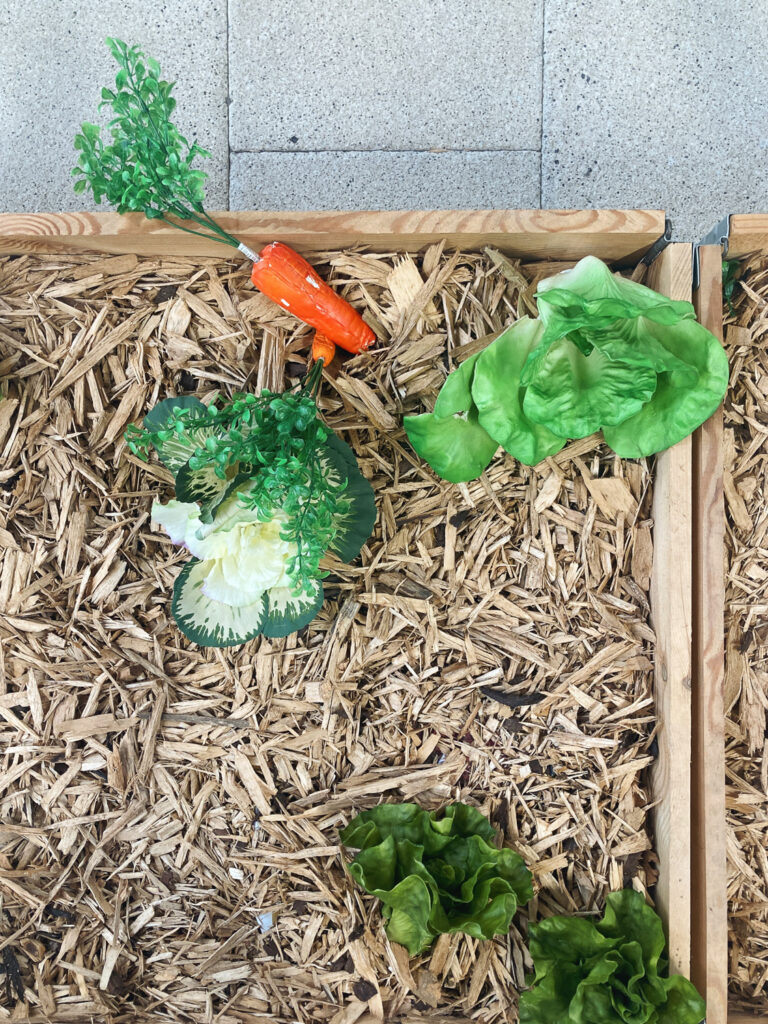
[
  {"x": 385, "y": 74},
  {"x": 53, "y": 64},
  {"x": 656, "y": 104},
  {"x": 384, "y": 181}
]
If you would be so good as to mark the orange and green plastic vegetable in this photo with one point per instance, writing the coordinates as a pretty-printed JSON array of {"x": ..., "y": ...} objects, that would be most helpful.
[
  {"x": 323, "y": 348},
  {"x": 148, "y": 168},
  {"x": 286, "y": 278}
]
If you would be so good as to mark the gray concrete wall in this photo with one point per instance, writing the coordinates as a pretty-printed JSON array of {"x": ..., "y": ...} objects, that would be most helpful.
[{"x": 397, "y": 104}]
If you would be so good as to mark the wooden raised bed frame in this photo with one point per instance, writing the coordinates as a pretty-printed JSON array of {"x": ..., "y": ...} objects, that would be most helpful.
[{"x": 620, "y": 237}]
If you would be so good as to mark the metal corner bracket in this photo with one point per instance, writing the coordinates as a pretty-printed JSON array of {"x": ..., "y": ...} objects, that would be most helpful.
[
  {"x": 717, "y": 236},
  {"x": 659, "y": 245}
]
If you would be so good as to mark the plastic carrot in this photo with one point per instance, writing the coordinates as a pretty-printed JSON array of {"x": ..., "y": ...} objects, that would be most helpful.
[
  {"x": 147, "y": 167},
  {"x": 288, "y": 279},
  {"x": 323, "y": 348}
]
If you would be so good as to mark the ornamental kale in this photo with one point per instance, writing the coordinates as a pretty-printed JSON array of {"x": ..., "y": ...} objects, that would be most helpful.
[
  {"x": 436, "y": 874},
  {"x": 263, "y": 491},
  {"x": 609, "y": 972}
]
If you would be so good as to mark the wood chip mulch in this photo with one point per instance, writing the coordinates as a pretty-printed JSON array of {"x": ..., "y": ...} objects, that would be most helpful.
[
  {"x": 745, "y": 460},
  {"x": 169, "y": 816}
]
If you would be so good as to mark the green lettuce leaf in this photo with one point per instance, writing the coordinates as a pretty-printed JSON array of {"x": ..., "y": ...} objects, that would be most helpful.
[
  {"x": 456, "y": 394},
  {"x": 575, "y": 395},
  {"x": 498, "y": 396},
  {"x": 451, "y": 439},
  {"x": 605, "y": 340},
  {"x": 436, "y": 875},
  {"x": 611, "y": 971},
  {"x": 590, "y": 299},
  {"x": 456, "y": 447},
  {"x": 676, "y": 409}
]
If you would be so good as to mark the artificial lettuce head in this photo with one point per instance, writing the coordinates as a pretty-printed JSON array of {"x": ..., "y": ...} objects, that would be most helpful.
[
  {"x": 608, "y": 972},
  {"x": 436, "y": 874},
  {"x": 605, "y": 353},
  {"x": 680, "y": 369}
]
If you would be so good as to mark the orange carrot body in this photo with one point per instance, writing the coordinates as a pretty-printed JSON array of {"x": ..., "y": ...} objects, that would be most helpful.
[
  {"x": 287, "y": 278},
  {"x": 323, "y": 348}
]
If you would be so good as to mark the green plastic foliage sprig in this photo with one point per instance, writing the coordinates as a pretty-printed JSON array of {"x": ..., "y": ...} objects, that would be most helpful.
[{"x": 148, "y": 166}]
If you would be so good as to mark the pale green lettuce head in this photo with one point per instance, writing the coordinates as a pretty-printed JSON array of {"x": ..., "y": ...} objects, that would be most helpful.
[{"x": 605, "y": 353}]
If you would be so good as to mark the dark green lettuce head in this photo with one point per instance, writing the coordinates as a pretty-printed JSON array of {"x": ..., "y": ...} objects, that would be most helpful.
[
  {"x": 607, "y": 972},
  {"x": 436, "y": 874}
]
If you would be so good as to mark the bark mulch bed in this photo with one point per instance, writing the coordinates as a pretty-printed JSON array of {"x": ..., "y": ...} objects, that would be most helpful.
[
  {"x": 745, "y": 460},
  {"x": 169, "y": 816}
]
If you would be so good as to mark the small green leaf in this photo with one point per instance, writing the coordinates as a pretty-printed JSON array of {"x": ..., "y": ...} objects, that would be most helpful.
[
  {"x": 90, "y": 131},
  {"x": 451, "y": 438},
  {"x": 731, "y": 272}
]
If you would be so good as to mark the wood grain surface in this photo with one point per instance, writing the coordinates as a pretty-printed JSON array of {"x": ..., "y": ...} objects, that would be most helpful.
[
  {"x": 748, "y": 232},
  {"x": 560, "y": 234},
  {"x": 671, "y": 612},
  {"x": 709, "y": 901}
]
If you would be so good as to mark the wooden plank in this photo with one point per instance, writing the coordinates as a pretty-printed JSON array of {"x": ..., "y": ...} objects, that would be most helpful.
[
  {"x": 616, "y": 235},
  {"x": 672, "y": 275},
  {"x": 747, "y": 233},
  {"x": 743, "y": 1016},
  {"x": 709, "y": 899}
]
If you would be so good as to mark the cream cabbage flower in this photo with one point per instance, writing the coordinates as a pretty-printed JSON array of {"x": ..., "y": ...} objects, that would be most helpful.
[
  {"x": 237, "y": 584},
  {"x": 243, "y": 556}
]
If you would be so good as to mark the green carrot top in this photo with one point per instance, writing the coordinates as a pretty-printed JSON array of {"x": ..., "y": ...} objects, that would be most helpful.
[{"x": 148, "y": 166}]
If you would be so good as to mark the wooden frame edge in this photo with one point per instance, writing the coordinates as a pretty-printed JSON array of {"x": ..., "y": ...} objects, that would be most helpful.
[
  {"x": 614, "y": 235},
  {"x": 747, "y": 233},
  {"x": 671, "y": 611},
  {"x": 709, "y": 898},
  {"x": 573, "y": 233}
]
